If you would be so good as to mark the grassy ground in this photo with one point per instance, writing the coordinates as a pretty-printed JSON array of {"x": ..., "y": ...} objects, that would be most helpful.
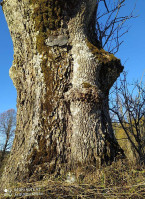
[{"x": 118, "y": 181}]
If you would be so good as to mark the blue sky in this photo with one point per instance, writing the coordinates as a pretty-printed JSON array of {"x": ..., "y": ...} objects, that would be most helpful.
[
  {"x": 132, "y": 52},
  {"x": 7, "y": 90}
]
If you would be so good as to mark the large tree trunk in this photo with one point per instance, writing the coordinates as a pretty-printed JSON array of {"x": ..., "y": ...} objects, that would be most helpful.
[{"x": 62, "y": 77}]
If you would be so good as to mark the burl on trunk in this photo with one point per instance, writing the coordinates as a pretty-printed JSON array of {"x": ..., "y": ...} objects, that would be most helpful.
[{"x": 62, "y": 77}]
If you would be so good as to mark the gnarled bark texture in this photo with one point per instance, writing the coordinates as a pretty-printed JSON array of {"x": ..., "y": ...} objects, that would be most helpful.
[{"x": 62, "y": 77}]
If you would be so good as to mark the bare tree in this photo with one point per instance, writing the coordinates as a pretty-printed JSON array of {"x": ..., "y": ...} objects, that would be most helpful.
[
  {"x": 7, "y": 129},
  {"x": 128, "y": 110},
  {"x": 111, "y": 25},
  {"x": 62, "y": 77}
]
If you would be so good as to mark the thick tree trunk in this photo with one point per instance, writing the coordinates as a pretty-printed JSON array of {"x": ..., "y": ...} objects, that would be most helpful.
[{"x": 62, "y": 77}]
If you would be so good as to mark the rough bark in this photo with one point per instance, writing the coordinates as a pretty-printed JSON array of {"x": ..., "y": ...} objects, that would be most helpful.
[{"x": 62, "y": 77}]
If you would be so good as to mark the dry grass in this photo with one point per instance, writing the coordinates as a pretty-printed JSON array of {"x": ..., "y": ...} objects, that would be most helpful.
[{"x": 118, "y": 181}]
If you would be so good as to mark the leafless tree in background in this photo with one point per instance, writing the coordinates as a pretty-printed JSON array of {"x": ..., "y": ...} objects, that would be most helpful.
[
  {"x": 110, "y": 24},
  {"x": 128, "y": 110},
  {"x": 7, "y": 129}
]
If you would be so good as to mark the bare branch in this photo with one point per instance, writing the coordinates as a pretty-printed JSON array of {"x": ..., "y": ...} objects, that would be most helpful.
[
  {"x": 110, "y": 25},
  {"x": 128, "y": 108}
]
